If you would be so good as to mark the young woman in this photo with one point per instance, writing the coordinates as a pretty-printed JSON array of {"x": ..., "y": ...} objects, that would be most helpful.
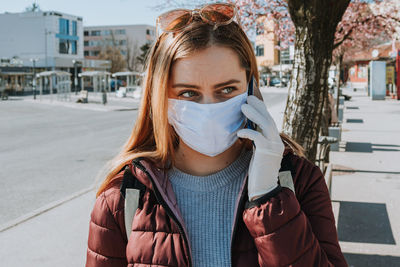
[{"x": 208, "y": 178}]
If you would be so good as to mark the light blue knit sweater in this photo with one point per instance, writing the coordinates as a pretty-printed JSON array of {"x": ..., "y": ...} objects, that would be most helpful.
[{"x": 207, "y": 205}]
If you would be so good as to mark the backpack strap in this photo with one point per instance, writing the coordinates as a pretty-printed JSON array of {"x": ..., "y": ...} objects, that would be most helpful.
[
  {"x": 131, "y": 190},
  {"x": 286, "y": 173}
]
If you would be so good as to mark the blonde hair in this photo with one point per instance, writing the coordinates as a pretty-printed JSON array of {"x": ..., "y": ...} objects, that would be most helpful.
[{"x": 152, "y": 137}]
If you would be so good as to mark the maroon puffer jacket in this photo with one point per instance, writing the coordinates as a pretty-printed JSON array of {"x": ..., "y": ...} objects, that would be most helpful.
[{"x": 282, "y": 228}]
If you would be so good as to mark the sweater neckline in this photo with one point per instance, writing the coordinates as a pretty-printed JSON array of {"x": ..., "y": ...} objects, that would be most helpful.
[{"x": 212, "y": 181}]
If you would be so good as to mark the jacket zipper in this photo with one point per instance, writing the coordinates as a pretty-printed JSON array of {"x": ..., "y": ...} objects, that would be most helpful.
[{"x": 164, "y": 204}]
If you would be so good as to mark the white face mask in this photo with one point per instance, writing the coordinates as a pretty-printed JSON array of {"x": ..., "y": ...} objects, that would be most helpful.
[{"x": 207, "y": 128}]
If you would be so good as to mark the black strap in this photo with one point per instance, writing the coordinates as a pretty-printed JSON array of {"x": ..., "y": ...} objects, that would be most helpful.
[
  {"x": 286, "y": 164},
  {"x": 130, "y": 181}
]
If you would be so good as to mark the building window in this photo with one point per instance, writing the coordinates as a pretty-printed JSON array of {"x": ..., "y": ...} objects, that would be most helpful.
[
  {"x": 122, "y": 42},
  {"x": 94, "y": 43},
  {"x": 73, "y": 47},
  {"x": 362, "y": 72},
  {"x": 64, "y": 26},
  {"x": 95, "y": 33},
  {"x": 86, "y": 53},
  {"x": 260, "y": 50},
  {"x": 107, "y": 32},
  {"x": 285, "y": 56},
  {"x": 94, "y": 53},
  {"x": 74, "y": 28},
  {"x": 86, "y": 33},
  {"x": 123, "y": 52},
  {"x": 120, "y": 32},
  {"x": 63, "y": 46},
  {"x": 86, "y": 43}
]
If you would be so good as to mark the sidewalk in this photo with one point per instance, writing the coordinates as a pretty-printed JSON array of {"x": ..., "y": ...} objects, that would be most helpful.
[
  {"x": 95, "y": 101},
  {"x": 366, "y": 182},
  {"x": 57, "y": 237}
]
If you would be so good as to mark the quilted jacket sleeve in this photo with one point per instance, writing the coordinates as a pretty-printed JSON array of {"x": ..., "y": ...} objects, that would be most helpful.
[
  {"x": 290, "y": 231},
  {"x": 107, "y": 240}
]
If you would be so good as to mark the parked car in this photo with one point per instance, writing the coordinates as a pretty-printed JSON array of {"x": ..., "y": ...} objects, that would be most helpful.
[{"x": 275, "y": 81}]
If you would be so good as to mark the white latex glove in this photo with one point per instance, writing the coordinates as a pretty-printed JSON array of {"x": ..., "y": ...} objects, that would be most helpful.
[{"x": 266, "y": 161}]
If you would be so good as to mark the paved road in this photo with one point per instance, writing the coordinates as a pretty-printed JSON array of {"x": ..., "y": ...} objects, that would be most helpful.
[{"x": 49, "y": 151}]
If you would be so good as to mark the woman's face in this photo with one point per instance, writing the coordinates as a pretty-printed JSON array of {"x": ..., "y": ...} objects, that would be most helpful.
[{"x": 211, "y": 75}]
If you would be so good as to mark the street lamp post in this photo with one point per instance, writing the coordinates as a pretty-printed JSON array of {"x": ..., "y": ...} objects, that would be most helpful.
[
  {"x": 75, "y": 62},
  {"x": 34, "y": 77}
]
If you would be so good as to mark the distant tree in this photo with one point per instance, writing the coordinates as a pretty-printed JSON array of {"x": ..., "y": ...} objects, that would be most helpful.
[
  {"x": 113, "y": 54},
  {"x": 144, "y": 52},
  {"x": 132, "y": 54},
  {"x": 265, "y": 69},
  {"x": 33, "y": 8},
  {"x": 111, "y": 51}
]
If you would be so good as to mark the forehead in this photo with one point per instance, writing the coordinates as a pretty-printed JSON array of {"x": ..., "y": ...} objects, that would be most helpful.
[{"x": 214, "y": 63}]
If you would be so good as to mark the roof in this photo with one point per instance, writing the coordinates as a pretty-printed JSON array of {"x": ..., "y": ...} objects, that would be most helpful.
[
  {"x": 15, "y": 73},
  {"x": 93, "y": 73},
  {"x": 53, "y": 72},
  {"x": 125, "y": 73}
]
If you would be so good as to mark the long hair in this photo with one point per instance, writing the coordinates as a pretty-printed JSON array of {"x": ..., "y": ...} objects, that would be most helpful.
[{"x": 152, "y": 137}]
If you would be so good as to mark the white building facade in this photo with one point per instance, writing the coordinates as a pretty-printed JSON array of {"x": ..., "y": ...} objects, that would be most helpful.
[{"x": 53, "y": 39}]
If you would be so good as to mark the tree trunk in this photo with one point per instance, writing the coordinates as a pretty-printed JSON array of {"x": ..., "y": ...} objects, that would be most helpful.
[{"x": 315, "y": 22}]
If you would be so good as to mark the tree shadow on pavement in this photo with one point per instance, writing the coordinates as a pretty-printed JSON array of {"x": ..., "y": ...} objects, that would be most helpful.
[
  {"x": 362, "y": 260},
  {"x": 365, "y": 223},
  {"x": 369, "y": 147}
]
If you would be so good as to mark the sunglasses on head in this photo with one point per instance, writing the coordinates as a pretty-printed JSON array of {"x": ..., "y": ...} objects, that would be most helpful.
[{"x": 215, "y": 14}]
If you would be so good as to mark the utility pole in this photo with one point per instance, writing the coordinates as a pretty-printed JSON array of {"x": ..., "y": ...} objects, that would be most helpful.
[{"x": 34, "y": 77}]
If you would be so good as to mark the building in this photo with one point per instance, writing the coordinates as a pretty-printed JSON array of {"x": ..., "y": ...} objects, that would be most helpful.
[
  {"x": 266, "y": 53},
  {"x": 37, "y": 41},
  {"x": 265, "y": 48},
  {"x": 127, "y": 38},
  {"x": 357, "y": 66},
  {"x": 53, "y": 39}
]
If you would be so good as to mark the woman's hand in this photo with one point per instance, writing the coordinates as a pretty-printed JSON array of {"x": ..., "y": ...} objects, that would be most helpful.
[{"x": 266, "y": 160}]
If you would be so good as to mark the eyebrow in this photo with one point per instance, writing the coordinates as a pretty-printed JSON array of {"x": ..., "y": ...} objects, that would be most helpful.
[{"x": 197, "y": 87}]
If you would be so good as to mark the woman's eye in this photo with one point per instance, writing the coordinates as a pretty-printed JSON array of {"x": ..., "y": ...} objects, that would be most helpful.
[
  {"x": 228, "y": 90},
  {"x": 188, "y": 94}
]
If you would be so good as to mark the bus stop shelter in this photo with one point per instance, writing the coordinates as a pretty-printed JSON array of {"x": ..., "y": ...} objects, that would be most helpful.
[
  {"x": 131, "y": 78},
  {"x": 55, "y": 81},
  {"x": 95, "y": 81}
]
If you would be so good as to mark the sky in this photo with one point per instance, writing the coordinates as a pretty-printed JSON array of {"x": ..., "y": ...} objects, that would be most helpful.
[{"x": 95, "y": 12}]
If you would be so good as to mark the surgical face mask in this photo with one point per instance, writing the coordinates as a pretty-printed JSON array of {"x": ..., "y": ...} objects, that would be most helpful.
[{"x": 207, "y": 128}]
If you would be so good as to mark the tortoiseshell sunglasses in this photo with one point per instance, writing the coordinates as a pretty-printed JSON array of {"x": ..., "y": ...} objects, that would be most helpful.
[{"x": 215, "y": 14}]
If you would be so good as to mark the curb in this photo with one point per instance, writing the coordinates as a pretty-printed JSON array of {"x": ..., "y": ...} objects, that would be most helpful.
[{"x": 43, "y": 209}]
